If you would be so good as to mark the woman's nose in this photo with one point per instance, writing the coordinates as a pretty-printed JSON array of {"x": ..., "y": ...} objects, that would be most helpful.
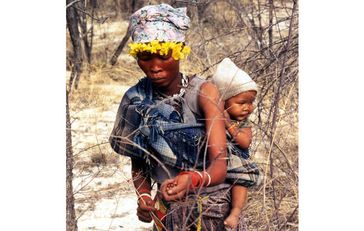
[{"x": 155, "y": 65}]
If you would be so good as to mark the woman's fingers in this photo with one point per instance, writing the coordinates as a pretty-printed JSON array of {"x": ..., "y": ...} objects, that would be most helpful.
[
  {"x": 176, "y": 188},
  {"x": 183, "y": 183},
  {"x": 145, "y": 206},
  {"x": 178, "y": 195},
  {"x": 167, "y": 186},
  {"x": 168, "y": 183},
  {"x": 144, "y": 216}
]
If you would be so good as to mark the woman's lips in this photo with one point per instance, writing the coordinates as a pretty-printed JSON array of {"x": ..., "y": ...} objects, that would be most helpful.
[
  {"x": 156, "y": 79},
  {"x": 157, "y": 76}
]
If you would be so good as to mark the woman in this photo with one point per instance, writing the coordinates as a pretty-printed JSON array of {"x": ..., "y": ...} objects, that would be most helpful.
[{"x": 158, "y": 34}]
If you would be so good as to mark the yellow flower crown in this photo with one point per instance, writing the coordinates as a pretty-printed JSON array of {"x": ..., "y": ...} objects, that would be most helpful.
[{"x": 179, "y": 50}]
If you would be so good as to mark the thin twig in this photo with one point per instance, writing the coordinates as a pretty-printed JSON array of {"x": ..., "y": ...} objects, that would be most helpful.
[
  {"x": 99, "y": 20},
  {"x": 70, "y": 4},
  {"x": 289, "y": 218}
]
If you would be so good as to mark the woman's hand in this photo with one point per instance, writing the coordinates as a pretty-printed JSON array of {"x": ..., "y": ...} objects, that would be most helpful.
[
  {"x": 177, "y": 188},
  {"x": 145, "y": 207}
]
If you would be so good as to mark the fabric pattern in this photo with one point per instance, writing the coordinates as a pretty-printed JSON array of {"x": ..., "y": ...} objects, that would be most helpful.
[{"x": 159, "y": 22}]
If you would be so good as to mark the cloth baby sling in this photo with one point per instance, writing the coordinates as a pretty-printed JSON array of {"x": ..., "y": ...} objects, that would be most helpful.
[{"x": 179, "y": 141}]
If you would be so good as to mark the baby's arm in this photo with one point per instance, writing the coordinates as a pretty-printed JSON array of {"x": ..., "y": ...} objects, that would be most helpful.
[{"x": 242, "y": 136}]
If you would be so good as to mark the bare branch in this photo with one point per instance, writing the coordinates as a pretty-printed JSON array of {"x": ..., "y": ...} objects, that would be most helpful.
[{"x": 70, "y": 4}]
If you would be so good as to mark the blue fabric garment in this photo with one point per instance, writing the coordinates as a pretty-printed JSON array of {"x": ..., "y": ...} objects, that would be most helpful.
[
  {"x": 154, "y": 131},
  {"x": 175, "y": 143}
]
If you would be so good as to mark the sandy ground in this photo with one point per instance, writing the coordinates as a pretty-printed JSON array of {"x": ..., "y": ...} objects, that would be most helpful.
[{"x": 104, "y": 195}]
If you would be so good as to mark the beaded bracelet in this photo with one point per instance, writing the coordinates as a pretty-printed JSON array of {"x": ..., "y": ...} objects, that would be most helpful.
[
  {"x": 199, "y": 174},
  {"x": 144, "y": 194},
  {"x": 196, "y": 178},
  {"x": 209, "y": 178}
]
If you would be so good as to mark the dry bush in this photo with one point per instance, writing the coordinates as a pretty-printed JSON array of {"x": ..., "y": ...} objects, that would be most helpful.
[
  {"x": 261, "y": 38},
  {"x": 99, "y": 159}
]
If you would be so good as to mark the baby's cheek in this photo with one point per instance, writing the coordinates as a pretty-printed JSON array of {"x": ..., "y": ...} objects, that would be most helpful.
[{"x": 236, "y": 107}]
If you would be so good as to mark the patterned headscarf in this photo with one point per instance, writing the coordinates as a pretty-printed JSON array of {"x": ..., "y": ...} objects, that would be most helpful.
[
  {"x": 159, "y": 29},
  {"x": 159, "y": 22}
]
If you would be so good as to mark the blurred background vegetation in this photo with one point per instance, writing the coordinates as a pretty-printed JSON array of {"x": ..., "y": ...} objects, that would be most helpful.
[{"x": 260, "y": 36}]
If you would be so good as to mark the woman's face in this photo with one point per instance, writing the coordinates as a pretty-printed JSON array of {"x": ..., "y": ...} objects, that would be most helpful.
[
  {"x": 162, "y": 70},
  {"x": 240, "y": 106}
]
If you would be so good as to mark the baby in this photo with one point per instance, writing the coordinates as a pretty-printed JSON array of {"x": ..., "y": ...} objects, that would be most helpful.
[{"x": 238, "y": 91}]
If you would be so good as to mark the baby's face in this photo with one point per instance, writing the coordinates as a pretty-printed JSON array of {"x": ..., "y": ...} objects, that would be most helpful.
[{"x": 241, "y": 106}]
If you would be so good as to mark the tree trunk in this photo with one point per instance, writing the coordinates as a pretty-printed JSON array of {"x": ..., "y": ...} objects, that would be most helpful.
[
  {"x": 70, "y": 206},
  {"x": 114, "y": 58},
  {"x": 71, "y": 16},
  {"x": 93, "y": 6},
  {"x": 82, "y": 21},
  {"x": 118, "y": 51},
  {"x": 72, "y": 25}
]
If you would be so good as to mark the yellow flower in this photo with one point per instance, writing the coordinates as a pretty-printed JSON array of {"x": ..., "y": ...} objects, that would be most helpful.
[{"x": 179, "y": 50}]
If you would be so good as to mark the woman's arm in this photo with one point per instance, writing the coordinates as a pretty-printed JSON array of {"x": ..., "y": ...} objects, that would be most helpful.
[
  {"x": 142, "y": 184},
  {"x": 212, "y": 108}
]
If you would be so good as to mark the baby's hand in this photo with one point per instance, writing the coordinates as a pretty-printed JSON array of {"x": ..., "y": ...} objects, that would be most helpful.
[
  {"x": 226, "y": 115},
  {"x": 227, "y": 118}
]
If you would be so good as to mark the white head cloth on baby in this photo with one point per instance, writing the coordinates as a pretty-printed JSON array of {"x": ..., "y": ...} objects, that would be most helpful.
[{"x": 231, "y": 80}]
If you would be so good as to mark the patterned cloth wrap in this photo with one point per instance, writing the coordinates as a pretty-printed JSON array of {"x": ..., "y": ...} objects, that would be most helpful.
[
  {"x": 213, "y": 208},
  {"x": 159, "y": 22},
  {"x": 176, "y": 143}
]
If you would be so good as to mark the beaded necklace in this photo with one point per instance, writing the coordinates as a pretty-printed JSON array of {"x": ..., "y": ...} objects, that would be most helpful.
[
  {"x": 176, "y": 99},
  {"x": 184, "y": 84}
]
